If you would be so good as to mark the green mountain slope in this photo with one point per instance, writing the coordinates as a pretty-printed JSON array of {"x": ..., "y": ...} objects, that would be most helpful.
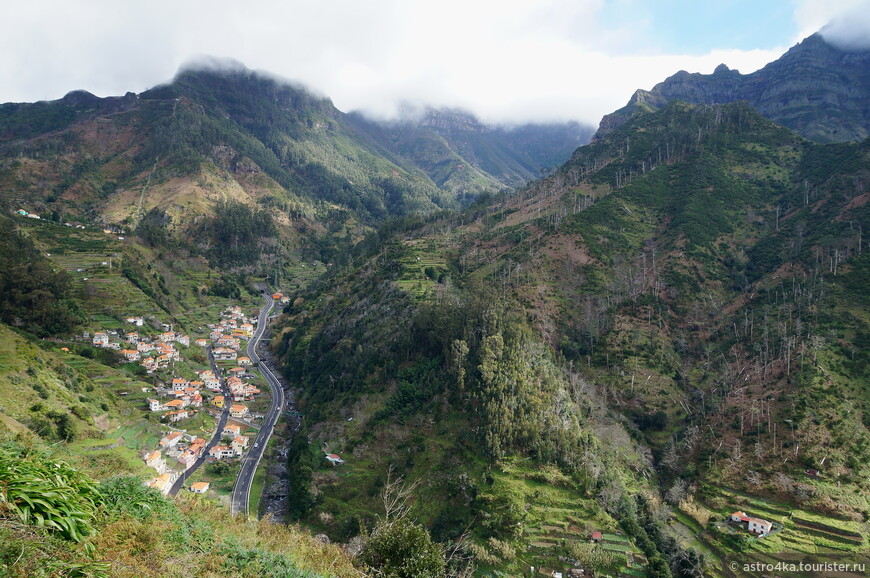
[
  {"x": 676, "y": 312},
  {"x": 227, "y": 133}
]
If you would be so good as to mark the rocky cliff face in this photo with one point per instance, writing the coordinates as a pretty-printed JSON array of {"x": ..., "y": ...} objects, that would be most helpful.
[{"x": 816, "y": 89}]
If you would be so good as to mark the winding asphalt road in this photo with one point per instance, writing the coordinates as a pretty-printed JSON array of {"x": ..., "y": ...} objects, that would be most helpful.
[{"x": 242, "y": 490}]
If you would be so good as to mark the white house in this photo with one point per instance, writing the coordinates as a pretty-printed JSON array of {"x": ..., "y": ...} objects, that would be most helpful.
[
  {"x": 220, "y": 452},
  {"x": 239, "y": 444},
  {"x": 171, "y": 439},
  {"x": 155, "y": 460},
  {"x": 225, "y": 354},
  {"x": 759, "y": 526},
  {"x": 163, "y": 483},
  {"x": 130, "y": 354},
  {"x": 334, "y": 459}
]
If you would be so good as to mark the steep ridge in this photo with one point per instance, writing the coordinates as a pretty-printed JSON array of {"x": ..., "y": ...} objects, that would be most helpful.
[
  {"x": 227, "y": 133},
  {"x": 816, "y": 89},
  {"x": 681, "y": 297}
]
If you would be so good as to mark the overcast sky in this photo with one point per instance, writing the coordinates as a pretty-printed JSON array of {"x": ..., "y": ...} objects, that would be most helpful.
[{"x": 505, "y": 60}]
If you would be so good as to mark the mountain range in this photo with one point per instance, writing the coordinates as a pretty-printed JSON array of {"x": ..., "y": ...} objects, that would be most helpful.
[
  {"x": 595, "y": 368},
  {"x": 233, "y": 133},
  {"x": 818, "y": 90}
]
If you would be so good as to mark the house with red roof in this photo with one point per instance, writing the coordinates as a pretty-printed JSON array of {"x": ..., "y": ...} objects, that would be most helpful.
[{"x": 334, "y": 459}]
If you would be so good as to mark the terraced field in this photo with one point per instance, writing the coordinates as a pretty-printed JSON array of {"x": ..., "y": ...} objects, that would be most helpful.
[
  {"x": 802, "y": 531},
  {"x": 422, "y": 257},
  {"x": 559, "y": 521}
]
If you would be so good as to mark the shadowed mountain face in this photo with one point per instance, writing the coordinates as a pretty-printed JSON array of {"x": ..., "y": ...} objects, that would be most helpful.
[
  {"x": 452, "y": 146},
  {"x": 234, "y": 133},
  {"x": 819, "y": 91}
]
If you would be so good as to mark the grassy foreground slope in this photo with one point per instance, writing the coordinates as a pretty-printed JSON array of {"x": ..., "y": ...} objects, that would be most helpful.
[{"x": 59, "y": 522}]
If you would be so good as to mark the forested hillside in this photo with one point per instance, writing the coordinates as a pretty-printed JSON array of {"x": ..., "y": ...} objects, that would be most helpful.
[{"x": 675, "y": 314}]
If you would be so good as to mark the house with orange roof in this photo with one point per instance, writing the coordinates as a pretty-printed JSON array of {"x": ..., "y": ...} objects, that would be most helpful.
[
  {"x": 232, "y": 430},
  {"x": 167, "y": 337},
  {"x": 196, "y": 400},
  {"x": 244, "y": 361},
  {"x": 187, "y": 458},
  {"x": 175, "y": 416},
  {"x": 175, "y": 404},
  {"x": 163, "y": 482},
  {"x": 201, "y": 342},
  {"x": 220, "y": 452},
  {"x": 100, "y": 339},
  {"x": 218, "y": 401},
  {"x": 155, "y": 460},
  {"x": 239, "y": 444},
  {"x": 180, "y": 384},
  {"x": 132, "y": 337},
  {"x": 225, "y": 354},
  {"x": 199, "y": 487},
  {"x": 171, "y": 439},
  {"x": 228, "y": 341},
  {"x": 183, "y": 340},
  {"x": 238, "y": 410},
  {"x": 130, "y": 354}
]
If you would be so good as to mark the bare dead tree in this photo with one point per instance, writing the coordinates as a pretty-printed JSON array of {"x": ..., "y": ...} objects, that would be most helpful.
[{"x": 396, "y": 497}]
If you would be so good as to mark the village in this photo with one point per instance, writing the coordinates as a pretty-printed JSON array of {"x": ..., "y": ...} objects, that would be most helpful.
[{"x": 178, "y": 396}]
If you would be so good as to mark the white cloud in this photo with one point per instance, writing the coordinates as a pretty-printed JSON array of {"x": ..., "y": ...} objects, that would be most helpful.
[
  {"x": 850, "y": 30},
  {"x": 811, "y": 15},
  {"x": 504, "y": 60}
]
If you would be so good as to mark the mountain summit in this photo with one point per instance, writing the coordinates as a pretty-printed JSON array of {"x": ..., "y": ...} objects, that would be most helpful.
[{"x": 816, "y": 89}]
